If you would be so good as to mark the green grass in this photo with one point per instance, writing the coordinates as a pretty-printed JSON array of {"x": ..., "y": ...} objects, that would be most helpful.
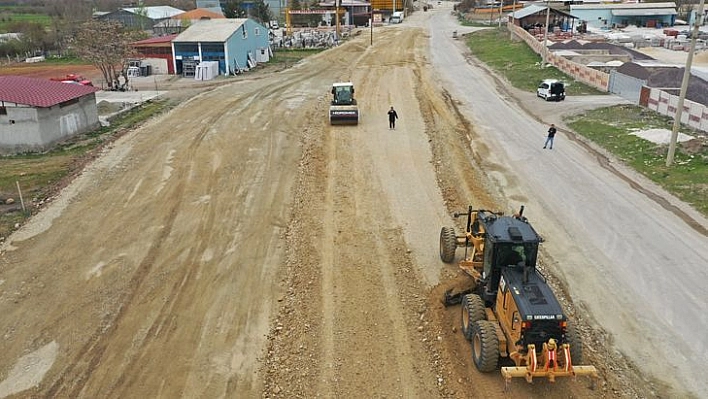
[
  {"x": 611, "y": 128},
  {"x": 291, "y": 56},
  {"x": 518, "y": 63},
  {"x": 67, "y": 60},
  {"x": 9, "y": 19},
  {"x": 40, "y": 175}
]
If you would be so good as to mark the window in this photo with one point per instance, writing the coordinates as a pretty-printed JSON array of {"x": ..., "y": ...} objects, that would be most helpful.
[
  {"x": 3, "y": 110},
  {"x": 257, "y": 31},
  {"x": 243, "y": 31}
]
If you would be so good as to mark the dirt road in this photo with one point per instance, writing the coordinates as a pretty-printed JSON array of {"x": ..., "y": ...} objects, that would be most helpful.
[{"x": 239, "y": 246}]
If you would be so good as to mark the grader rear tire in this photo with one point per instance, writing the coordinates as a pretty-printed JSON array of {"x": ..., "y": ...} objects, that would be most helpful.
[
  {"x": 472, "y": 312},
  {"x": 448, "y": 244},
  {"x": 485, "y": 346}
]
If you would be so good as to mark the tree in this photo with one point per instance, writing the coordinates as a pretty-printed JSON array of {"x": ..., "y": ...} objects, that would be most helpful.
[
  {"x": 261, "y": 12},
  {"x": 66, "y": 16},
  {"x": 234, "y": 9},
  {"x": 107, "y": 46}
]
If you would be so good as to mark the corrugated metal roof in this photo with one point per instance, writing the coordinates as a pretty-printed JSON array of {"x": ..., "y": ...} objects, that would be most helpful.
[
  {"x": 630, "y": 6},
  {"x": 644, "y": 12},
  {"x": 528, "y": 10},
  {"x": 536, "y": 9},
  {"x": 199, "y": 13},
  {"x": 212, "y": 30},
  {"x": 155, "y": 40},
  {"x": 156, "y": 12},
  {"x": 38, "y": 92}
]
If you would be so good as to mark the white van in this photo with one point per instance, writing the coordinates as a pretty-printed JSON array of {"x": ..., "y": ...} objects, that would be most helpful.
[
  {"x": 396, "y": 17},
  {"x": 551, "y": 90}
]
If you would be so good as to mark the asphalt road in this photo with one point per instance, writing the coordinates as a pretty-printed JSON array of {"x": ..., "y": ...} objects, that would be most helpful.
[{"x": 631, "y": 254}]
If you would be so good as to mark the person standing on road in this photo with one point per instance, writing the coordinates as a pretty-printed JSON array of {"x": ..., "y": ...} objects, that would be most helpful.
[
  {"x": 392, "y": 116},
  {"x": 549, "y": 138}
]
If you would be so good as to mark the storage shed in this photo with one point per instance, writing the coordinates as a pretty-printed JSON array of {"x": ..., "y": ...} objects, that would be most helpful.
[
  {"x": 143, "y": 18},
  {"x": 608, "y": 16},
  {"x": 157, "y": 52},
  {"x": 234, "y": 43},
  {"x": 36, "y": 113}
]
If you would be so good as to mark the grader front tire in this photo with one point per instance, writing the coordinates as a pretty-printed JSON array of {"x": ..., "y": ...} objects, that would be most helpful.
[
  {"x": 472, "y": 312},
  {"x": 448, "y": 244}
]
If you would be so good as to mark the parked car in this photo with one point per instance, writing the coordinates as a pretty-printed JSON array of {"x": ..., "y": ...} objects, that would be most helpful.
[{"x": 551, "y": 90}]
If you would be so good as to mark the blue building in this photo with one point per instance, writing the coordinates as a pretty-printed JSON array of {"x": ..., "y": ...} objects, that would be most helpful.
[
  {"x": 609, "y": 16},
  {"x": 236, "y": 44}
]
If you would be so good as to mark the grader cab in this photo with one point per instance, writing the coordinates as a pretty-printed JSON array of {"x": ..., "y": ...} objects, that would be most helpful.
[{"x": 509, "y": 312}]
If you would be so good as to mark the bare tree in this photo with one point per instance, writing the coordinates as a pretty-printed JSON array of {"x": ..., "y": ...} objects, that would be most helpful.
[{"x": 107, "y": 45}]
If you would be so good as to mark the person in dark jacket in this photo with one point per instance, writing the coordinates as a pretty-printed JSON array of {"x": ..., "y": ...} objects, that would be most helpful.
[
  {"x": 549, "y": 138},
  {"x": 392, "y": 116}
]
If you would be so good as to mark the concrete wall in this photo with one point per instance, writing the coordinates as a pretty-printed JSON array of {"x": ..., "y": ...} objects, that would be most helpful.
[
  {"x": 27, "y": 128},
  {"x": 579, "y": 72},
  {"x": 693, "y": 114}
]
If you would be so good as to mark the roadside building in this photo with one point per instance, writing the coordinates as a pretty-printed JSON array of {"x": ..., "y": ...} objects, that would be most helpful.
[
  {"x": 143, "y": 18},
  {"x": 157, "y": 52},
  {"x": 181, "y": 22},
  {"x": 628, "y": 80},
  {"x": 276, "y": 7},
  {"x": 610, "y": 16},
  {"x": 236, "y": 44},
  {"x": 211, "y": 5},
  {"x": 532, "y": 18},
  {"x": 36, "y": 113}
]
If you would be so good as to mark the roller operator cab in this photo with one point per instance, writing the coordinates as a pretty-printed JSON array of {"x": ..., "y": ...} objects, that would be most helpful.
[{"x": 343, "y": 109}]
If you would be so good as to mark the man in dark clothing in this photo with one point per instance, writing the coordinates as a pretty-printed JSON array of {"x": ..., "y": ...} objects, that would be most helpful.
[
  {"x": 549, "y": 138},
  {"x": 392, "y": 116}
]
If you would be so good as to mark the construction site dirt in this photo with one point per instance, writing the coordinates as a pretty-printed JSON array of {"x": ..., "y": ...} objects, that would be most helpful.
[{"x": 241, "y": 246}]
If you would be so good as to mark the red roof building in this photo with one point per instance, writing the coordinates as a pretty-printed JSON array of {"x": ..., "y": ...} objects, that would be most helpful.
[
  {"x": 39, "y": 92},
  {"x": 36, "y": 113},
  {"x": 153, "y": 50}
]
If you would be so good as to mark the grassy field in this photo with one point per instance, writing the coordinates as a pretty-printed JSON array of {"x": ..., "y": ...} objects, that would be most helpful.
[
  {"x": 9, "y": 17},
  {"x": 518, "y": 63},
  {"x": 609, "y": 127},
  {"x": 288, "y": 57},
  {"x": 612, "y": 129},
  {"x": 41, "y": 175}
]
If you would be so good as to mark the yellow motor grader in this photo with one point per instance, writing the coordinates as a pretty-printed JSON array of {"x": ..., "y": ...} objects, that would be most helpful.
[{"x": 509, "y": 311}]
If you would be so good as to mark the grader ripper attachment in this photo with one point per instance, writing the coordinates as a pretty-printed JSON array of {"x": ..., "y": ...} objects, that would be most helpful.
[
  {"x": 509, "y": 311},
  {"x": 552, "y": 364}
]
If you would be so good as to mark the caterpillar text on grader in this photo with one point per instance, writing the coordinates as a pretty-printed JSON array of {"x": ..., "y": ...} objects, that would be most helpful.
[
  {"x": 510, "y": 311},
  {"x": 343, "y": 109}
]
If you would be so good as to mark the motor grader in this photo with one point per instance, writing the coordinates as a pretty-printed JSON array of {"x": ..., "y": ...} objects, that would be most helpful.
[{"x": 509, "y": 312}]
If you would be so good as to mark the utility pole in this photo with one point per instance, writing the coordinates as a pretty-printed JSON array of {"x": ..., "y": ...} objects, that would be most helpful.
[
  {"x": 684, "y": 85},
  {"x": 545, "y": 34},
  {"x": 501, "y": 6},
  {"x": 336, "y": 18},
  {"x": 513, "y": 21},
  {"x": 371, "y": 21}
]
